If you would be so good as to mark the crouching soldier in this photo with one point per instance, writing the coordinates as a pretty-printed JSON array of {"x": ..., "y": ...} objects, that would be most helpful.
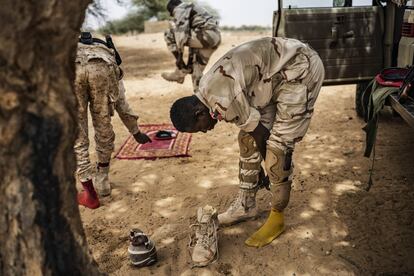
[
  {"x": 195, "y": 28},
  {"x": 98, "y": 85},
  {"x": 268, "y": 88}
]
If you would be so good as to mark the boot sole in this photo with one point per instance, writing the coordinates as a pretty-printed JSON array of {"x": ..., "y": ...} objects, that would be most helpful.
[
  {"x": 180, "y": 82},
  {"x": 90, "y": 206},
  {"x": 204, "y": 264}
]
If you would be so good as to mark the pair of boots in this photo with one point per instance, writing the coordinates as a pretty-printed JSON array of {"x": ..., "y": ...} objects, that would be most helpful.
[
  {"x": 204, "y": 244},
  {"x": 88, "y": 197}
]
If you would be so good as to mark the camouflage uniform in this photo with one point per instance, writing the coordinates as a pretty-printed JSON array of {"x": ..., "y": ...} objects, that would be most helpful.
[
  {"x": 97, "y": 85},
  {"x": 274, "y": 81},
  {"x": 194, "y": 27}
]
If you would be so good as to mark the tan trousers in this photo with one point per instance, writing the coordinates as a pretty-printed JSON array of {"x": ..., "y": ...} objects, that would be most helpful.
[{"x": 96, "y": 86}]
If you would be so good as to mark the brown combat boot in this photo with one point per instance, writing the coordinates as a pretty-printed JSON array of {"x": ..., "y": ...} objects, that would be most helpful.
[
  {"x": 241, "y": 209},
  {"x": 204, "y": 243},
  {"x": 177, "y": 76}
]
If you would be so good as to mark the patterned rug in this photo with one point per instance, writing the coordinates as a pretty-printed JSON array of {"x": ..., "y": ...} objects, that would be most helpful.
[{"x": 176, "y": 147}]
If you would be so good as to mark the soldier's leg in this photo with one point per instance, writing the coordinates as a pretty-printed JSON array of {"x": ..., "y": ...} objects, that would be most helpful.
[
  {"x": 169, "y": 39},
  {"x": 84, "y": 170},
  {"x": 201, "y": 58},
  {"x": 294, "y": 112},
  {"x": 104, "y": 93},
  {"x": 177, "y": 75},
  {"x": 244, "y": 206},
  {"x": 203, "y": 44},
  {"x": 87, "y": 197}
]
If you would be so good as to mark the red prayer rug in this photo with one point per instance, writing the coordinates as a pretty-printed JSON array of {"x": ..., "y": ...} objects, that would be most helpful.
[{"x": 176, "y": 147}]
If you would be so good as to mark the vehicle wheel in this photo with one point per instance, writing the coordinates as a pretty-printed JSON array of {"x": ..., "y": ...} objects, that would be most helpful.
[{"x": 361, "y": 100}]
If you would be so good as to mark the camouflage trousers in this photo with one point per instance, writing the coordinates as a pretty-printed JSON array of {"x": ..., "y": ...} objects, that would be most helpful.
[
  {"x": 288, "y": 118},
  {"x": 202, "y": 44},
  {"x": 96, "y": 86}
]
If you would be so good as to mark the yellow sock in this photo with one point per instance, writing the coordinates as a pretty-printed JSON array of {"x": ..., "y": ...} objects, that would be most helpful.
[{"x": 269, "y": 231}]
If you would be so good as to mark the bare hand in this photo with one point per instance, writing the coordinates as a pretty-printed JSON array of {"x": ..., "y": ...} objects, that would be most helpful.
[{"x": 142, "y": 138}]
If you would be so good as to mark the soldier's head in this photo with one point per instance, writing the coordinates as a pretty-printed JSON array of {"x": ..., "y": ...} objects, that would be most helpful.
[
  {"x": 172, "y": 4},
  {"x": 189, "y": 114}
]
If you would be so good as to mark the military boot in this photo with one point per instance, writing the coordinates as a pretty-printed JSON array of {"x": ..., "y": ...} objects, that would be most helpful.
[
  {"x": 177, "y": 76},
  {"x": 102, "y": 185},
  {"x": 241, "y": 209},
  {"x": 204, "y": 243}
]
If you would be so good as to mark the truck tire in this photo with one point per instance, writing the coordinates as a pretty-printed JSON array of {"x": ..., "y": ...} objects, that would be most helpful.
[{"x": 360, "y": 100}]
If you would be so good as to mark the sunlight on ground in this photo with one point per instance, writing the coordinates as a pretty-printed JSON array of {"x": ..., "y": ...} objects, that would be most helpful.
[
  {"x": 307, "y": 214},
  {"x": 233, "y": 230},
  {"x": 346, "y": 186}
]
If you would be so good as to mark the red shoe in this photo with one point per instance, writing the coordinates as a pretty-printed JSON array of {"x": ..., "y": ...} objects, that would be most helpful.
[{"x": 88, "y": 196}]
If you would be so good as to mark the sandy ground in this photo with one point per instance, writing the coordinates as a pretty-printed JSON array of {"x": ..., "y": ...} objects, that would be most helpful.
[{"x": 334, "y": 227}]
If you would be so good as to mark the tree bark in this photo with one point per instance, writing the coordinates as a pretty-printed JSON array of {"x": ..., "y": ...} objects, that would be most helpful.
[{"x": 40, "y": 227}]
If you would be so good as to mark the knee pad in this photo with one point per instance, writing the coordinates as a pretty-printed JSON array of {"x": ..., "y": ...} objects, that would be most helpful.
[
  {"x": 247, "y": 144},
  {"x": 280, "y": 195},
  {"x": 278, "y": 165},
  {"x": 279, "y": 168}
]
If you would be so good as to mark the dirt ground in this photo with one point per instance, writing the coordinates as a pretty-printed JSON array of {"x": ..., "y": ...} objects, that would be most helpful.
[{"x": 334, "y": 227}]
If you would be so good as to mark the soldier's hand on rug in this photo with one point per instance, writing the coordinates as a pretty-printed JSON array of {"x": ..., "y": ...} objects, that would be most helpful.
[{"x": 142, "y": 138}]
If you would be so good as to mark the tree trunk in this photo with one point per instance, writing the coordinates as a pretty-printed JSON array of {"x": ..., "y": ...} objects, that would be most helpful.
[{"x": 40, "y": 227}]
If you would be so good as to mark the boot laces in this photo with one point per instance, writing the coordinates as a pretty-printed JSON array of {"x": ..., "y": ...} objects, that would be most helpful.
[
  {"x": 205, "y": 232},
  {"x": 203, "y": 236},
  {"x": 241, "y": 200},
  {"x": 237, "y": 202}
]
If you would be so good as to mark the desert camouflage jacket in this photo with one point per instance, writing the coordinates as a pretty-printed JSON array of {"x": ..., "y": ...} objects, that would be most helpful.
[
  {"x": 86, "y": 53},
  {"x": 241, "y": 82},
  {"x": 190, "y": 16}
]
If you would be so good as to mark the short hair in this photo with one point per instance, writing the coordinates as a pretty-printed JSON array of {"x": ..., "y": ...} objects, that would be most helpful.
[{"x": 182, "y": 113}]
